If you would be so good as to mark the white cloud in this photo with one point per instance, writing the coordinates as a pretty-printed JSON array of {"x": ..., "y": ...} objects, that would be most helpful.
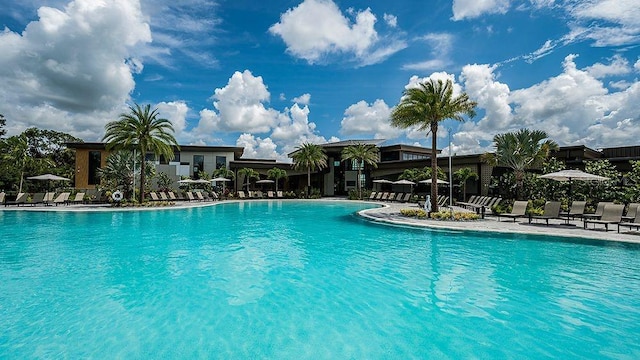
[
  {"x": 618, "y": 66},
  {"x": 317, "y": 29},
  {"x": 240, "y": 105},
  {"x": 391, "y": 20},
  {"x": 440, "y": 45},
  {"x": 75, "y": 63},
  {"x": 256, "y": 147},
  {"x": 609, "y": 22},
  {"x": 362, "y": 119},
  {"x": 573, "y": 107},
  {"x": 467, "y": 9},
  {"x": 303, "y": 99}
]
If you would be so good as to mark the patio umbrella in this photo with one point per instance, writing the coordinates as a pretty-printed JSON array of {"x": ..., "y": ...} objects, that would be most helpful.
[
  {"x": 48, "y": 178},
  {"x": 186, "y": 181},
  {"x": 219, "y": 179},
  {"x": 265, "y": 182},
  {"x": 404, "y": 182},
  {"x": 438, "y": 181},
  {"x": 570, "y": 175},
  {"x": 382, "y": 181}
]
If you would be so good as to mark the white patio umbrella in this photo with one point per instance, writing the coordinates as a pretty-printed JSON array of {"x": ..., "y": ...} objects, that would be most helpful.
[
  {"x": 48, "y": 178},
  {"x": 220, "y": 179},
  {"x": 382, "y": 181},
  {"x": 438, "y": 181},
  {"x": 404, "y": 182},
  {"x": 186, "y": 181},
  {"x": 266, "y": 181},
  {"x": 570, "y": 175}
]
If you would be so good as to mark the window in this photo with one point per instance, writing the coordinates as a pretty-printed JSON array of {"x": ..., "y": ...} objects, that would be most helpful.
[
  {"x": 221, "y": 161},
  {"x": 363, "y": 182},
  {"x": 336, "y": 163},
  {"x": 150, "y": 157},
  {"x": 357, "y": 165},
  {"x": 409, "y": 156},
  {"x": 198, "y": 165},
  {"x": 95, "y": 158}
]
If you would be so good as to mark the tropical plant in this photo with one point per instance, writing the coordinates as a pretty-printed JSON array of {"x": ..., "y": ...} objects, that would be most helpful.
[
  {"x": 607, "y": 190},
  {"x": 224, "y": 173},
  {"x": 463, "y": 175},
  {"x": 425, "y": 106},
  {"x": 632, "y": 190},
  {"x": 18, "y": 155},
  {"x": 520, "y": 151},
  {"x": 164, "y": 181},
  {"x": 118, "y": 172},
  {"x": 248, "y": 174},
  {"x": 361, "y": 155},
  {"x": 309, "y": 156},
  {"x": 143, "y": 131},
  {"x": 276, "y": 174}
]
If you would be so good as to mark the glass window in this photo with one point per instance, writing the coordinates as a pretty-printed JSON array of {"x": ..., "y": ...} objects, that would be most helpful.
[
  {"x": 95, "y": 158},
  {"x": 221, "y": 161},
  {"x": 198, "y": 165},
  {"x": 357, "y": 165}
]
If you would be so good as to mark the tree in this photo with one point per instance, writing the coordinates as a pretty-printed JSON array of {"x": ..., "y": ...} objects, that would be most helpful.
[
  {"x": 276, "y": 174},
  {"x": 248, "y": 174},
  {"x": 118, "y": 172},
  {"x": 425, "y": 106},
  {"x": 17, "y": 155},
  {"x": 309, "y": 156},
  {"x": 3, "y": 123},
  {"x": 520, "y": 151},
  {"x": 362, "y": 155},
  {"x": 142, "y": 131},
  {"x": 223, "y": 172},
  {"x": 463, "y": 175}
]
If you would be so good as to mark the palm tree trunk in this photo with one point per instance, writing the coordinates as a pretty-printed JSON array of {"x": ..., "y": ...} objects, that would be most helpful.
[
  {"x": 308, "y": 181},
  {"x": 142, "y": 169},
  {"x": 434, "y": 167},
  {"x": 21, "y": 180},
  {"x": 359, "y": 184}
]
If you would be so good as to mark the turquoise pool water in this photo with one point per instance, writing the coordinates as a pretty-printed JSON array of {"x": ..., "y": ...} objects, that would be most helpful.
[{"x": 304, "y": 280}]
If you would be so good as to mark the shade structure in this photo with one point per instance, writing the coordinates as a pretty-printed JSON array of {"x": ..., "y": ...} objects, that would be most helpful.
[
  {"x": 570, "y": 175},
  {"x": 266, "y": 181},
  {"x": 48, "y": 178},
  {"x": 403, "y": 182},
  {"x": 438, "y": 181},
  {"x": 220, "y": 179}
]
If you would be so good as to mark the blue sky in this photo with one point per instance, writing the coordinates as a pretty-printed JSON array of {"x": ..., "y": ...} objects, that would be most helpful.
[{"x": 271, "y": 75}]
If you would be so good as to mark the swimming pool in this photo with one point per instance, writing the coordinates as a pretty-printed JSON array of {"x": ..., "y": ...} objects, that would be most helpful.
[{"x": 304, "y": 280}]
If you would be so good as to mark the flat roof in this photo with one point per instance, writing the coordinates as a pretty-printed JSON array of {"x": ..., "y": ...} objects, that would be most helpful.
[{"x": 238, "y": 151}]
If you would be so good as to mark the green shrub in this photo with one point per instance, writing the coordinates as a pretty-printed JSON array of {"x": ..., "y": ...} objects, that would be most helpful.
[
  {"x": 419, "y": 213},
  {"x": 457, "y": 215}
]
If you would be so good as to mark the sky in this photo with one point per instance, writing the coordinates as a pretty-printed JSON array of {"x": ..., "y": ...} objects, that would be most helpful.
[{"x": 271, "y": 75}]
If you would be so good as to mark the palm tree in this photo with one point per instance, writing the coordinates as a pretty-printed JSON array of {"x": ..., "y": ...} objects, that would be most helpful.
[
  {"x": 425, "y": 107},
  {"x": 248, "y": 174},
  {"x": 118, "y": 173},
  {"x": 143, "y": 131},
  {"x": 463, "y": 175},
  {"x": 521, "y": 150},
  {"x": 224, "y": 172},
  {"x": 309, "y": 156},
  {"x": 276, "y": 174},
  {"x": 361, "y": 155}
]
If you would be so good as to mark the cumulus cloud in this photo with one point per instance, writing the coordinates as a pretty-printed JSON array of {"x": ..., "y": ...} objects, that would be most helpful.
[
  {"x": 369, "y": 120},
  {"x": 468, "y": 9},
  {"x": 391, "y": 20},
  {"x": 240, "y": 105},
  {"x": 256, "y": 147},
  {"x": 75, "y": 62},
  {"x": 573, "y": 107},
  {"x": 317, "y": 29},
  {"x": 303, "y": 99},
  {"x": 618, "y": 66}
]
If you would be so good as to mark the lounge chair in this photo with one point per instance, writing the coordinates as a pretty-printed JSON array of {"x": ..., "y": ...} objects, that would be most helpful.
[
  {"x": 154, "y": 196},
  {"x": 37, "y": 198},
  {"x": 190, "y": 196},
  {"x": 270, "y": 194},
  {"x": 172, "y": 196},
  {"x": 551, "y": 211},
  {"x": 20, "y": 199},
  {"x": 632, "y": 211},
  {"x": 635, "y": 223},
  {"x": 163, "y": 196},
  {"x": 48, "y": 198},
  {"x": 598, "y": 213},
  {"x": 62, "y": 198},
  {"x": 199, "y": 195},
  {"x": 372, "y": 195},
  {"x": 406, "y": 197},
  {"x": 379, "y": 196},
  {"x": 611, "y": 215},
  {"x": 279, "y": 194},
  {"x": 2, "y": 197},
  {"x": 518, "y": 210},
  {"x": 241, "y": 194},
  {"x": 576, "y": 210},
  {"x": 384, "y": 197},
  {"x": 390, "y": 197},
  {"x": 78, "y": 199},
  {"x": 214, "y": 196}
]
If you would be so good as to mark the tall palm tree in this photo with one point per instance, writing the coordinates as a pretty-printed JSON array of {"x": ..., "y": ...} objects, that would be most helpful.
[
  {"x": 248, "y": 174},
  {"x": 143, "y": 131},
  {"x": 276, "y": 174},
  {"x": 426, "y": 106},
  {"x": 309, "y": 156},
  {"x": 361, "y": 154},
  {"x": 463, "y": 175},
  {"x": 521, "y": 150},
  {"x": 224, "y": 172}
]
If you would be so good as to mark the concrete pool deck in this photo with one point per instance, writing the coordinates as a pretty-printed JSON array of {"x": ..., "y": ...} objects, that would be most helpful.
[{"x": 389, "y": 213}]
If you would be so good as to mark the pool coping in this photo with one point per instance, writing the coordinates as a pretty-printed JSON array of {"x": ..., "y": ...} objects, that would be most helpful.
[{"x": 388, "y": 213}]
